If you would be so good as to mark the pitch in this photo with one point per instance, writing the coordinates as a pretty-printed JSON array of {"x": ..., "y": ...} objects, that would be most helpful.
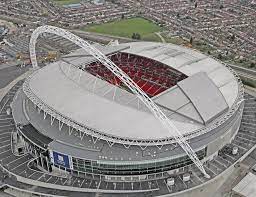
[
  {"x": 126, "y": 27},
  {"x": 66, "y": 2}
]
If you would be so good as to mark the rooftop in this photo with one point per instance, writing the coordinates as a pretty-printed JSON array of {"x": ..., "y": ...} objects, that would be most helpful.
[{"x": 115, "y": 112}]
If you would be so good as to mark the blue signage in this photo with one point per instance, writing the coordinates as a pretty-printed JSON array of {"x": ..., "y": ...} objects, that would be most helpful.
[{"x": 62, "y": 160}]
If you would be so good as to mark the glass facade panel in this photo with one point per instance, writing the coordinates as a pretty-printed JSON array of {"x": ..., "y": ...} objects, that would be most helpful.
[{"x": 133, "y": 169}]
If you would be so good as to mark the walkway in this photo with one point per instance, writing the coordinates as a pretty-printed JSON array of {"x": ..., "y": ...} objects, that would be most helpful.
[{"x": 160, "y": 36}]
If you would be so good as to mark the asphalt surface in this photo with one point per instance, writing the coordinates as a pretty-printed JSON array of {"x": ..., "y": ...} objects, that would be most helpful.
[{"x": 8, "y": 74}]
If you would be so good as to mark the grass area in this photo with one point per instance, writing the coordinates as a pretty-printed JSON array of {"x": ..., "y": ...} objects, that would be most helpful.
[
  {"x": 199, "y": 45},
  {"x": 151, "y": 37},
  {"x": 66, "y": 2},
  {"x": 248, "y": 82},
  {"x": 175, "y": 40},
  {"x": 126, "y": 27},
  {"x": 203, "y": 47},
  {"x": 244, "y": 63}
]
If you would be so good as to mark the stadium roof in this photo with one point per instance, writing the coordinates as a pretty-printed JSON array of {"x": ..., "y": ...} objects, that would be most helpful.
[
  {"x": 81, "y": 57},
  {"x": 77, "y": 103},
  {"x": 63, "y": 142},
  {"x": 189, "y": 62},
  {"x": 207, "y": 93},
  {"x": 204, "y": 95},
  {"x": 196, "y": 97}
]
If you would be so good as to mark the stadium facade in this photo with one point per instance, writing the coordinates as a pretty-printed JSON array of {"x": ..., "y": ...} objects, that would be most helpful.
[{"x": 78, "y": 121}]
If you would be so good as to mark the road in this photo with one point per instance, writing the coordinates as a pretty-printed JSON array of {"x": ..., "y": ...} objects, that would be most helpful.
[
  {"x": 246, "y": 75},
  {"x": 244, "y": 72},
  {"x": 250, "y": 90}
]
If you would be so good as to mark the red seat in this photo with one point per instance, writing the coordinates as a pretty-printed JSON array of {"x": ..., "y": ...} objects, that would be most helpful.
[{"x": 153, "y": 77}]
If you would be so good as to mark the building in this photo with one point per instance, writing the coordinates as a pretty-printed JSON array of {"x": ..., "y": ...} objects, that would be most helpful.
[
  {"x": 98, "y": 2},
  {"x": 84, "y": 131},
  {"x": 73, "y": 6}
]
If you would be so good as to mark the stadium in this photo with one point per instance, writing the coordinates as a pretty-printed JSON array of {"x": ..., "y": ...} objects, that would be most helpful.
[{"x": 81, "y": 128}]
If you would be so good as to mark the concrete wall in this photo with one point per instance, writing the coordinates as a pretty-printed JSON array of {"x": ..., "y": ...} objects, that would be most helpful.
[{"x": 224, "y": 139}]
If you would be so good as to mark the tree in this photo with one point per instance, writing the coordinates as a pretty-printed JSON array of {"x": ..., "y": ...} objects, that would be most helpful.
[
  {"x": 232, "y": 37},
  {"x": 136, "y": 36},
  {"x": 191, "y": 40},
  {"x": 133, "y": 36},
  {"x": 252, "y": 65}
]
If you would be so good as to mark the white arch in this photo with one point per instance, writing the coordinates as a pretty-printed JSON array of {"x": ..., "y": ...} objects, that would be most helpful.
[{"x": 123, "y": 77}]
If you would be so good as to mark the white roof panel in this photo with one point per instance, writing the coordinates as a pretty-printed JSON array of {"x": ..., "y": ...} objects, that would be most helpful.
[
  {"x": 202, "y": 65},
  {"x": 204, "y": 95},
  {"x": 70, "y": 99},
  {"x": 175, "y": 100},
  {"x": 221, "y": 77},
  {"x": 172, "y": 99},
  {"x": 229, "y": 92},
  {"x": 190, "y": 112}
]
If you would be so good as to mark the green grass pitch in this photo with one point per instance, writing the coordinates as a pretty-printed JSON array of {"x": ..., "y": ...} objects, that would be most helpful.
[{"x": 126, "y": 27}]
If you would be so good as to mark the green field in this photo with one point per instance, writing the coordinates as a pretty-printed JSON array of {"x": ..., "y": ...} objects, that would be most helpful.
[
  {"x": 248, "y": 82},
  {"x": 126, "y": 27},
  {"x": 66, "y": 2}
]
